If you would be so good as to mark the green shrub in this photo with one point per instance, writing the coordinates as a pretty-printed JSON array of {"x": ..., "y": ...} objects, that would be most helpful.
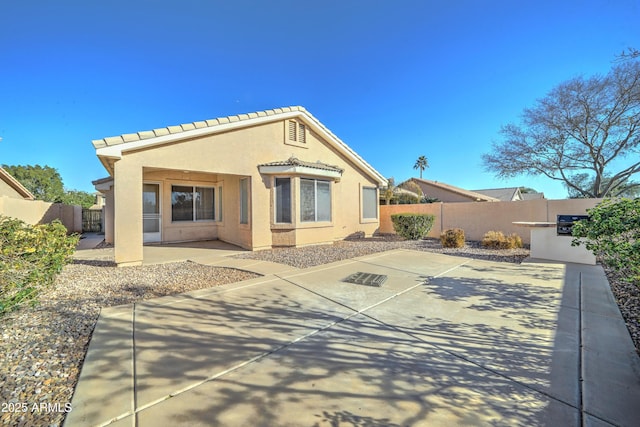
[
  {"x": 412, "y": 226},
  {"x": 452, "y": 238},
  {"x": 497, "y": 240},
  {"x": 612, "y": 233},
  {"x": 30, "y": 258}
]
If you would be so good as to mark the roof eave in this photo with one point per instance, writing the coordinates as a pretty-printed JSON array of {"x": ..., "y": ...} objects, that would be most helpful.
[{"x": 115, "y": 151}]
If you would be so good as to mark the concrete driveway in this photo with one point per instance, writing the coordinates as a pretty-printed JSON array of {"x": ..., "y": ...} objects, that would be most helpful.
[{"x": 444, "y": 341}]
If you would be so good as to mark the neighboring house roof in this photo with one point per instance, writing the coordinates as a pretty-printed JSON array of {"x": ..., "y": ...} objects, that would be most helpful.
[
  {"x": 111, "y": 148},
  {"x": 471, "y": 194},
  {"x": 532, "y": 196},
  {"x": 15, "y": 185},
  {"x": 509, "y": 194}
]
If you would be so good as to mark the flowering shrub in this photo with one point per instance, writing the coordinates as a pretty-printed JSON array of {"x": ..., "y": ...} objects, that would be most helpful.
[
  {"x": 30, "y": 258},
  {"x": 412, "y": 226}
]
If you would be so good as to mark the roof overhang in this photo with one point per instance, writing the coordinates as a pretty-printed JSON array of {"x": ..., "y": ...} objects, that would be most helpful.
[
  {"x": 299, "y": 170},
  {"x": 108, "y": 154},
  {"x": 103, "y": 184}
]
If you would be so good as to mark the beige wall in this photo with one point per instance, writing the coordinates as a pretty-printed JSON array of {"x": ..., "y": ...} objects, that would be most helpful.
[
  {"x": 223, "y": 160},
  {"x": 39, "y": 212},
  {"x": 478, "y": 218},
  {"x": 8, "y": 191},
  {"x": 442, "y": 194}
]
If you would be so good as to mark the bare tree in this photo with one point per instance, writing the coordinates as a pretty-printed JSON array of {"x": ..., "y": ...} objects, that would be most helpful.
[
  {"x": 626, "y": 55},
  {"x": 585, "y": 133}
]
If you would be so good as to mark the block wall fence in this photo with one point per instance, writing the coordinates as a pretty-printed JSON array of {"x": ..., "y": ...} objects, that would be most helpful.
[
  {"x": 39, "y": 212},
  {"x": 476, "y": 218}
]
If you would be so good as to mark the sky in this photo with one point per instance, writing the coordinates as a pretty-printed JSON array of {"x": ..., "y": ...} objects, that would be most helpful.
[{"x": 394, "y": 79}]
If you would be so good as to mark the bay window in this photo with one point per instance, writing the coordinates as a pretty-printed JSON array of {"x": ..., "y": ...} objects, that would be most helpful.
[
  {"x": 283, "y": 200},
  {"x": 315, "y": 200}
]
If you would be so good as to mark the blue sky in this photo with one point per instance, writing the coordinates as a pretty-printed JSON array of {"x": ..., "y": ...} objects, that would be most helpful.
[{"x": 393, "y": 79}]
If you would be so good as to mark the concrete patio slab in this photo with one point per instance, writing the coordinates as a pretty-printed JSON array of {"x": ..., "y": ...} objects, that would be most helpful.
[
  {"x": 363, "y": 372},
  {"x": 191, "y": 340},
  {"x": 444, "y": 341}
]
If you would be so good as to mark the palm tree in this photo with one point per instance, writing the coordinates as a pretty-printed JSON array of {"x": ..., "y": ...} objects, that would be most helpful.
[{"x": 422, "y": 163}]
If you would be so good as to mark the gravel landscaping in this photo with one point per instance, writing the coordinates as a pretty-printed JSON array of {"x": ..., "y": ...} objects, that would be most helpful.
[
  {"x": 310, "y": 256},
  {"x": 43, "y": 347}
]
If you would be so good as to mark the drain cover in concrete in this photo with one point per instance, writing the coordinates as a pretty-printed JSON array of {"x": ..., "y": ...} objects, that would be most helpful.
[{"x": 367, "y": 279}]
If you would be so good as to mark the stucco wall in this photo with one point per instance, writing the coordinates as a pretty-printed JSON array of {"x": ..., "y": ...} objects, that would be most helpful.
[
  {"x": 39, "y": 212},
  {"x": 223, "y": 160},
  {"x": 8, "y": 191},
  {"x": 442, "y": 194},
  {"x": 478, "y": 218}
]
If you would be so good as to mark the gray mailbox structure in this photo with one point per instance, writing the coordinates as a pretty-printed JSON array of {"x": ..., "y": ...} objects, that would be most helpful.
[{"x": 564, "y": 224}]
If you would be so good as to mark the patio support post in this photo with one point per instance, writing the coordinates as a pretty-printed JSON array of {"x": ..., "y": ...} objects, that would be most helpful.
[{"x": 128, "y": 213}]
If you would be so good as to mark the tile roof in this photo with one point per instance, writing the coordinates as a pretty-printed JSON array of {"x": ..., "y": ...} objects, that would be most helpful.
[
  {"x": 111, "y": 148},
  {"x": 212, "y": 123},
  {"x": 293, "y": 161},
  {"x": 504, "y": 194}
]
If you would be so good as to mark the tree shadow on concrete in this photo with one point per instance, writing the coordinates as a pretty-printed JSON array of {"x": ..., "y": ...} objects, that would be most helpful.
[{"x": 278, "y": 355}]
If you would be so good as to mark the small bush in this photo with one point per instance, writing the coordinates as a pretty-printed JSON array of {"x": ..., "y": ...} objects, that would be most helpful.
[
  {"x": 412, "y": 226},
  {"x": 515, "y": 241},
  {"x": 452, "y": 238},
  {"x": 30, "y": 258},
  {"x": 497, "y": 240}
]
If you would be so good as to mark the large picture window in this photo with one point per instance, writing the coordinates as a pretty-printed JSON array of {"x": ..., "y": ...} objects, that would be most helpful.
[
  {"x": 283, "y": 200},
  {"x": 369, "y": 203},
  {"x": 192, "y": 203},
  {"x": 315, "y": 200}
]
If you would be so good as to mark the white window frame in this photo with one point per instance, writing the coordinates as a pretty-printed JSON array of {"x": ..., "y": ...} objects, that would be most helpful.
[
  {"x": 276, "y": 205},
  {"x": 375, "y": 201},
  {"x": 244, "y": 211},
  {"x": 193, "y": 204},
  {"x": 315, "y": 200}
]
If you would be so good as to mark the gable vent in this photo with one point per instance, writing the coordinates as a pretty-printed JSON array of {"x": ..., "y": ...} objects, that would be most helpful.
[
  {"x": 301, "y": 137},
  {"x": 292, "y": 130}
]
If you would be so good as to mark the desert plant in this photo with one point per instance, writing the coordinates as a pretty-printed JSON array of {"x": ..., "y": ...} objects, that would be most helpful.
[
  {"x": 30, "y": 258},
  {"x": 514, "y": 240},
  {"x": 612, "y": 233},
  {"x": 497, "y": 240},
  {"x": 412, "y": 226},
  {"x": 452, "y": 238}
]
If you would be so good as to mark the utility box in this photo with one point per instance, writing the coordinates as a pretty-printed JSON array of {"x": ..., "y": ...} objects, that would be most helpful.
[{"x": 564, "y": 224}]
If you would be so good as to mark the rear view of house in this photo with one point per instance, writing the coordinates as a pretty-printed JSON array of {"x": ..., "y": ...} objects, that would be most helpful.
[{"x": 258, "y": 180}]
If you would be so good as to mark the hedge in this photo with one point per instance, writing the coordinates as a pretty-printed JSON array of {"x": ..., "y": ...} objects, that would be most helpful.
[{"x": 412, "y": 226}]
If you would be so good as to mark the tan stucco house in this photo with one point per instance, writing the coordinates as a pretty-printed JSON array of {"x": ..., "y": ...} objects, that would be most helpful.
[{"x": 258, "y": 180}]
